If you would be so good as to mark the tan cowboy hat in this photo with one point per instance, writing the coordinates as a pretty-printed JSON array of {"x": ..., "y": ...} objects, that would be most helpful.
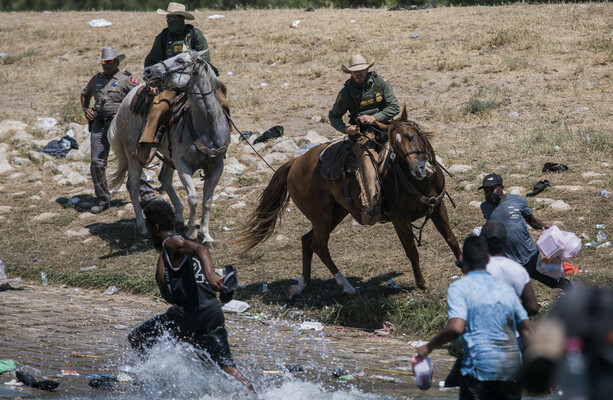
[
  {"x": 176, "y": 9},
  {"x": 356, "y": 63},
  {"x": 109, "y": 53}
]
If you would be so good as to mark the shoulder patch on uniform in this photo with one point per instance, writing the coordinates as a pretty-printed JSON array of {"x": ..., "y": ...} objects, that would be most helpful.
[
  {"x": 338, "y": 98},
  {"x": 134, "y": 81},
  {"x": 127, "y": 73}
]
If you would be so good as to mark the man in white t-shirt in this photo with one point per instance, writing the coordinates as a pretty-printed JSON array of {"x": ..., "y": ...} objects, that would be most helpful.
[{"x": 507, "y": 270}]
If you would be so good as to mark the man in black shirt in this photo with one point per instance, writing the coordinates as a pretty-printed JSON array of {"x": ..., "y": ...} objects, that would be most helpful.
[{"x": 187, "y": 280}]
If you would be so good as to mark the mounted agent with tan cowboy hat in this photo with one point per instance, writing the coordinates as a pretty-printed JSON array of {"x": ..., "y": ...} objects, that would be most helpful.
[
  {"x": 176, "y": 38},
  {"x": 368, "y": 97}
]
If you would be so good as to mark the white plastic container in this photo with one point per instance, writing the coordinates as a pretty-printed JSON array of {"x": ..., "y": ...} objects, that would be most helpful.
[
  {"x": 235, "y": 306},
  {"x": 553, "y": 268},
  {"x": 551, "y": 242},
  {"x": 422, "y": 369},
  {"x": 572, "y": 245},
  {"x": 310, "y": 325}
]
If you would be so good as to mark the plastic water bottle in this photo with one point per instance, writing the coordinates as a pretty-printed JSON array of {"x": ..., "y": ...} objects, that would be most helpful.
[
  {"x": 43, "y": 277},
  {"x": 2, "y": 271},
  {"x": 605, "y": 193},
  {"x": 601, "y": 237},
  {"x": 573, "y": 373}
]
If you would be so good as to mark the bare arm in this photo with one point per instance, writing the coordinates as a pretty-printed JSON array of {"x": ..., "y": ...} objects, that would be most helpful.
[
  {"x": 453, "y": 329},
  {"x": 160, "y": 278},
  {"x": 89, "y": 113},
  {"x": 536, "y": 223},
  {"x": 525, "y": 330},
  {"x": 177, "y": 244},
  {"x": 528, "y": 300}
]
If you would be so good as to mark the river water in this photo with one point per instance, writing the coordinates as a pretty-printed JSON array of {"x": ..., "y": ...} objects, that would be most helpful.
[{"x": 49, "y": 331}]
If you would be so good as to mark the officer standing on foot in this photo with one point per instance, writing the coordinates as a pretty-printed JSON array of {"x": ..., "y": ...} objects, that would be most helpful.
[{"x": 108, "y": 89}]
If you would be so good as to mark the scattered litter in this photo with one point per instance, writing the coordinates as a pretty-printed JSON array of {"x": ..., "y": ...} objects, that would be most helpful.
[
  {"x": 453, "y": 278},
  {"x": 604, "y": 193},
  {"x": 2, "y": 270},
  {"x": 235, "y": 306},
  {"x": 538, "y": 188},
  {"x": 272, "y": 133},
  {"x": 216, "y": 16},
  {"x": 88, "y": 268},
  {"x": 229, "y": 73},
  {"x": 264, "y": 287},
  {"x": 274, "y": 371},
  {"x": 441, "y": 386},
  {"x": 304, "y": 148},
  {"x": 120, "y": 327},
  {"x": 556, "y": 148},
  {"x": 347, "y": 377},
  {"x": 226, "y": 195},
  {"x": 111, "y": 290},
  {"x": 387, "y": 328},
  {"x": 605, "y": 244},
  {"x": 414, "y": 36},
  {"x": 294, "y": 367},
  {"x": 581, "y": 109},
  {"x": 391, "y": 371},
  {"x": 570, "y": 269},
  {"x": 294, "y": 24},
  {"x": 45, "y": 123},
  {"x": 385, "y": 378},
  {"x": 400, "y": 7},
  {"x": 29, "y": 380},
  {"x": 263, "y": 84},
  {"x": 2, "y": 55},
  {"x": 225, "y": 228},
  {"x": 43, "y": 278},
  {"x": 311, "y": 325},
  {"x": 477, "y": 231},
  {"x": 352, "y": 21},
  {"x": 7, "y": 366},
  {"x": 514, "y": 114},
  {"x": 13, "y": 382},
  {"x": 316, "y": 118},
  {"x": 123, "y": 377},
  {"x": 422, "y": 368},
  {"x": 417, "y": 343},
  {"x": 59, "y": 148},
  {"x": 392, "y": 285},
  {"x": 554, "y": 167},
  {"x": 64, "y": 56},
  {"x": 340, "y": 371},
  {"x": 102, "y": 382},
  {"x": 66, "y": 372},
  {"x": 99, "y": 23}
]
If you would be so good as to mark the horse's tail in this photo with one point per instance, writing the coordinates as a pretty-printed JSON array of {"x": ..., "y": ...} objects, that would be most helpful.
[
  {"x": 120, "y": 161},
  {"x": 261, "y": 222}
]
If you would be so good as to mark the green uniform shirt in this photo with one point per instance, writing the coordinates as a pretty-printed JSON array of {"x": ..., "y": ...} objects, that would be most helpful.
[
  {"x": 175, "y": 44},
  {"x": 376, "y": 97},
  {"x": 108, "y": 91}
]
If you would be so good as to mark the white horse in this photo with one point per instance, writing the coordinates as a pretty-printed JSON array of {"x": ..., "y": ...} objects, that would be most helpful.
[{"x": 197, "y": 141}]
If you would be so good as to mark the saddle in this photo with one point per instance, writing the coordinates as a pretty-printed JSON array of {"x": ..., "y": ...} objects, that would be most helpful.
[{"x": 334, "y": 158}]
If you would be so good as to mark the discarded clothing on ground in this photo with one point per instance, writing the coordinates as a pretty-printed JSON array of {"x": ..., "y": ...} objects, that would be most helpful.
[
  {"x": 102, "y": 382},
  {"x": 59, "y": 148},
  {"x": 273, "y": 133},
  {"x": 538, "y": 188},
  {"x": 7, "y": 366},
  {"x": 554, "y": 167},
  {"x": 29, "y": 380}
]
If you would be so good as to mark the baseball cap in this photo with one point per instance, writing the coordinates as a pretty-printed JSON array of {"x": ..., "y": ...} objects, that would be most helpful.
[{"x": 491, "y": 180}]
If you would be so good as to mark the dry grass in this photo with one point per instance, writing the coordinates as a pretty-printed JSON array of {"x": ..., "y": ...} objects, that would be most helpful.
[{"x": 468, "y": 70}]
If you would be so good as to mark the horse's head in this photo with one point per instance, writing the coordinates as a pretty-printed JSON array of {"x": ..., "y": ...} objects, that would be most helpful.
[
  {"x": 176, "y": 72},
  {"x": 410, "y": 143}
]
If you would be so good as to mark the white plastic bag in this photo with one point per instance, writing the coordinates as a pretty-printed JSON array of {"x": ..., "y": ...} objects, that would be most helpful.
[
  {"x": 554, "y": 242},
  {"x": 422, "y": 369},
  {"x": 553, "y": 268}
]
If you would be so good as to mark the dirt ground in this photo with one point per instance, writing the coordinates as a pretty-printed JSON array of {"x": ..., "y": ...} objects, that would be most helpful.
[{"x": 52, "y": 329}]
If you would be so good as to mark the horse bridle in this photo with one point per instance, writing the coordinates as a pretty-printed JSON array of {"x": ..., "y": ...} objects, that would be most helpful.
[
  {"x": 420, "y": 140},
  {"x": 193, "y": 71}
]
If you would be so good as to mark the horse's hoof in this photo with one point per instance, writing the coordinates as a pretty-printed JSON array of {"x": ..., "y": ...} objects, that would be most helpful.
[
  {"x": 425, "y": 287},
  {"x": 292, "y": 291}
]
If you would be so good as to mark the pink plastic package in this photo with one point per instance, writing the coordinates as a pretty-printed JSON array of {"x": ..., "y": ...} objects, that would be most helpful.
[
  {"x": 422, "y": 369},
  {"x": 556, "y": 243}
]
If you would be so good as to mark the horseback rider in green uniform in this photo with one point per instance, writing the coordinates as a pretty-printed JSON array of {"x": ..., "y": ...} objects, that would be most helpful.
[
  {"x": 175, "y": 39},
  {"x": 369, "y": 98}
]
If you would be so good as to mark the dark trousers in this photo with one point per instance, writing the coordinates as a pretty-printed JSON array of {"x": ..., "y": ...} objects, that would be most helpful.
[
  {"x": 473, "y": 389},
  {"x": 530, "y": 266},
  {"x": 100, "y": 148}
]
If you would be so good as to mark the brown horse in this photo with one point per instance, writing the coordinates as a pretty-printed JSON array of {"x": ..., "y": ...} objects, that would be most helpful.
[{"x": 413, "y": 186}]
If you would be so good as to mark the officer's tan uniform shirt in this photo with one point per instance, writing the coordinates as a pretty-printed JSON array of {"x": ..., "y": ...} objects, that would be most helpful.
[{"x": 108, "y": 92}]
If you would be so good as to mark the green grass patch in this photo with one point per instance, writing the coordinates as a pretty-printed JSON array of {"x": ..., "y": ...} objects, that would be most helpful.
[
  {"x": 569, "y": 140},
  {"x": 12, "y": 59}
]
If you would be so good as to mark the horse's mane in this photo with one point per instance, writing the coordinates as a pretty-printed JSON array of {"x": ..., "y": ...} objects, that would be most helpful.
[{"x": 397, "y": 122}]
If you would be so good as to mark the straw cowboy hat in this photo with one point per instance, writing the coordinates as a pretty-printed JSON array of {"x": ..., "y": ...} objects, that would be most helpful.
[
  {"x": 109, "y": 53},
  {"x": 176, "y": 9},
  {"x": 356, "y": 63}
]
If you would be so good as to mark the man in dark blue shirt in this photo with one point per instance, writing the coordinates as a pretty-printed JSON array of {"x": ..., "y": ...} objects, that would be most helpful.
[{"x": 513, "y": 212}]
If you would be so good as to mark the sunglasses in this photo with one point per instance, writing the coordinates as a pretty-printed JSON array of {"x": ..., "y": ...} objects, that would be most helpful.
[
  {"x": 105, "y": 62},
  {"x": 173, "y": 18}
]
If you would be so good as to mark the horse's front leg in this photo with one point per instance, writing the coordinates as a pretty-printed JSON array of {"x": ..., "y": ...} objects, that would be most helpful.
[
  {"x": 165, "y": 178},
  {"x": 133, "y": 185},
  {"x": 208, "y": 189},
  {"x": 408, "y": 243},
  {"x": 441, "y": 221},
  {"x": 185, "y": 174}
]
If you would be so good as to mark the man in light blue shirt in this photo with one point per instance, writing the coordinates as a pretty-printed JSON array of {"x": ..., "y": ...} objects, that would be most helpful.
[{"x": 486, "y": 312}]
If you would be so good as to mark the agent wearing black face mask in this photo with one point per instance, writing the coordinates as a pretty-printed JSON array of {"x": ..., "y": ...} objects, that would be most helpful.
[
  {"x": 177, "y": 38},
  {"x": 513, "y": 212}
]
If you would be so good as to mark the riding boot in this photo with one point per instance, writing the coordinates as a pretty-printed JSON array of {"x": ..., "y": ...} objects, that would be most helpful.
[
  {"x": 370, "y": 195},
  {"x": 158, "y": 114}
]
